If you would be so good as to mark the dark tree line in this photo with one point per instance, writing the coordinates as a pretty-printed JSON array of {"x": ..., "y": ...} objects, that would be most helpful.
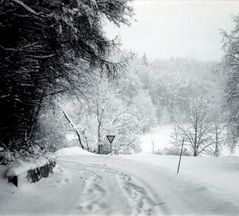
[{"x": 47, "y": 48}]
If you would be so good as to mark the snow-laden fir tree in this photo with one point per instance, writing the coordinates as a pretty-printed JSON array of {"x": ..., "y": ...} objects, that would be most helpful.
[{"x": 41, "y": 43}]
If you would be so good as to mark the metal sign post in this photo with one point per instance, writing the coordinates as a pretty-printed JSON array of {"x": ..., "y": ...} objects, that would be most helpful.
[{"x": 111, "y": 139}]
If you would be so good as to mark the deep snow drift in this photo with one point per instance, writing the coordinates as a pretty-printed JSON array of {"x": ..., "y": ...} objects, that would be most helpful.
[{"x": 143, "y": 184}]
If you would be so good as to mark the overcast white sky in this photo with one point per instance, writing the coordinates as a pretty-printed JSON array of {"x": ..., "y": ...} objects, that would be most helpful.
[{"x": 180, "y": 28}]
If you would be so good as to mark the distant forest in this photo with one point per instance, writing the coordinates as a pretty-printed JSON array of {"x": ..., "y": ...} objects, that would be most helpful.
[
  {"x": 143, "y": 95},
  {"x": 172, "y": 85}
]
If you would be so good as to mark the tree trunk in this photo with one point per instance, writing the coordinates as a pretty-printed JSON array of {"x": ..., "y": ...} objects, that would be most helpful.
[
  {"x": 99, "y": 120},
  {"x": 30, "y": 131},
  {"x": 216, "y": 153},
  {"x": 74, "y": 127},
  {"x": 99, "y": 137},
  {"x": 195, "y": 153},
  {"x": 86, "y": 141}
]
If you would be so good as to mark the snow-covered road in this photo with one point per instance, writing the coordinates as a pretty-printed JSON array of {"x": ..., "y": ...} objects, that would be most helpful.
[
  {"x": 138, "y": 188},
  {"x": 108, "y": 188},
  {"x": 112, "y": 185}
]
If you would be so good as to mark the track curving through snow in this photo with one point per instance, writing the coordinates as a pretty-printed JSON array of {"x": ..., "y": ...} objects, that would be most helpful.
[
  {"x": 118, "y": 186},
  {"x": 109, "y": 191},
  {"x": 128, "y": 187}
]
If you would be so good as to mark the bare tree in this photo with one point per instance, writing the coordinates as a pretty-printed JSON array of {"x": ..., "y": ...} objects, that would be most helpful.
[
  {"x": 217, "y": 138},
  {"x": 196, "y": 132},
  {"x": 217, "y": 131}
]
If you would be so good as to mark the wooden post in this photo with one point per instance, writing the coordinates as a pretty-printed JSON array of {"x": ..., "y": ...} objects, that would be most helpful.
[{"x": 180, "y": 157}]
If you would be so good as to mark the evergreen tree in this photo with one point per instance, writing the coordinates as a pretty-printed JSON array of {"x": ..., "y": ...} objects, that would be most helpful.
[
  {"x": 41, "y": 43},
  {"x": 231, "y": 46}
]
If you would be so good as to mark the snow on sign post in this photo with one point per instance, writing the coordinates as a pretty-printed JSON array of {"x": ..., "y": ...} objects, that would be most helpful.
[{"x": 111, "y": 139}]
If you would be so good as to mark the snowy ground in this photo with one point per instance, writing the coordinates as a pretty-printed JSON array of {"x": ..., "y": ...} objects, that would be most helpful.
[
  {"x": 160, "y": 136},
  {"x": 143, "y": 184}
]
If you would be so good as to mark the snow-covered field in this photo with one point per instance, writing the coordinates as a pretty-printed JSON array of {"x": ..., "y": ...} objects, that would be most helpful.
[
  {"x": 160, "y": 136},
  {"x": 142, "y": 184}
]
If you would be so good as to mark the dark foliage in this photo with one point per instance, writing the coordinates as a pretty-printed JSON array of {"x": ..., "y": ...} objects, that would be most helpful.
[{"x": 41, "y": 44}]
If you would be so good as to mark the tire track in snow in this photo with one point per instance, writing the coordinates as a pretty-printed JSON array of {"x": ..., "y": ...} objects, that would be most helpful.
[
  {"x": 92, "y": 196},
  {"x": 141, "y": 203},
  {"x": 95, "y": 191}
]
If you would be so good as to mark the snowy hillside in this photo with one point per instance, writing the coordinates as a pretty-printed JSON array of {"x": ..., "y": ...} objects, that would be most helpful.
[{"x": 143, "y": 184}]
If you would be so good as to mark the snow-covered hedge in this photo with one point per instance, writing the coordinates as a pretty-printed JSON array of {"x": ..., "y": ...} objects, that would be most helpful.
[
  {"x": 31, "y": 170},
  {"x": 5, "y": 156}
]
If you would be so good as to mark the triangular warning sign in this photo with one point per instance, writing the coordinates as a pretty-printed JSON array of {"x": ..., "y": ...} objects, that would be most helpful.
[{"x": 110, "y": 138}]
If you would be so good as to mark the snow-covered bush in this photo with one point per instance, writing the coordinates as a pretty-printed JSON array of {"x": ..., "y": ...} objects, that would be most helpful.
[
  {"x": 6, "y": 157},
  {"x": 30, "y": 169},
  {"x": 103, "y": 113}
]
